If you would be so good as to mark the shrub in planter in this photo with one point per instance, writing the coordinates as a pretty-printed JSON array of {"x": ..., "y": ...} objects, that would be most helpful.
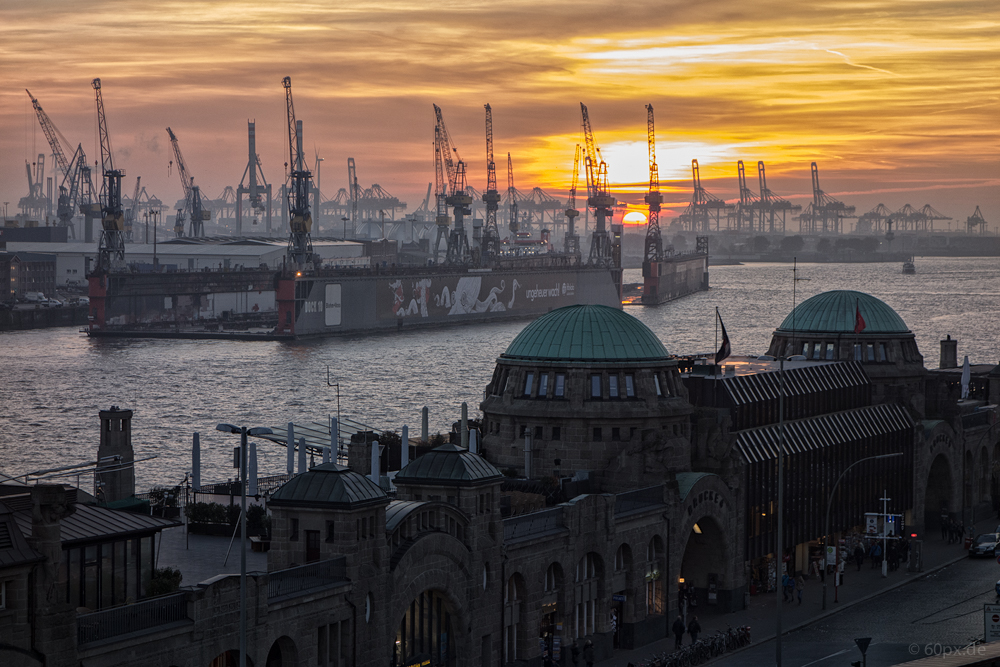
[{"x": 165, "y": 580}]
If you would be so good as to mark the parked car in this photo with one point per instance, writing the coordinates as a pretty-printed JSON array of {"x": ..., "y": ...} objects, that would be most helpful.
[{"x": 985, "y": 545}]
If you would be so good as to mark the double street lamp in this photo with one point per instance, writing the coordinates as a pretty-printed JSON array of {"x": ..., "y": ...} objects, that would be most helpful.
[
  {"x": 243, "y": 432},
  {"x": 826, "y": 526}
]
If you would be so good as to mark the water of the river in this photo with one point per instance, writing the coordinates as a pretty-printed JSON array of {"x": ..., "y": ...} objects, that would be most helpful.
[{"x": 54, "y": 381}]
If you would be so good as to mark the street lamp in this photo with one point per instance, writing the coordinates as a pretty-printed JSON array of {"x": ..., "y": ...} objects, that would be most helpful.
[
  {"x": 243, "y": 432},
  {"x": 826, "y": 526}
]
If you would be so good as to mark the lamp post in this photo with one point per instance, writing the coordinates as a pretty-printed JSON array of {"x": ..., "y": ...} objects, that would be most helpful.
[
  {"x": 829, "y": 502},
  {"x": 244, "y": 432}
]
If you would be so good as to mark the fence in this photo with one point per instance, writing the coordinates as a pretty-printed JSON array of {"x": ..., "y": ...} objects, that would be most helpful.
[
  {"x": 108, "y": 623},
  {"x": 304, "y": 577}
]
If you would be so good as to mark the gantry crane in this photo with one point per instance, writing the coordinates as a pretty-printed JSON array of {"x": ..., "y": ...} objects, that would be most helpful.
[
  {"x": 653, "y": 247},
  {"x": 824, "y": 213},
  {"x": 253, "y": 189},
  {"x": 773, "y": 209},
  {"x": 456, "y": 194},
  {"x": 111, "y": 247},
  {"x": 705, "y": 208},
  {"x": 598, "y": 197},
  {"x": 572, "y": 243},
  {"x": 193, "y": 208},
  {"x": 65, "y": 206},
  {"x": 355, "y": 194},
  {"x": 300, "y": 250},
  {"x": 491, "y": 197},
  {"x": 746, "y": 210},
  {"x": 976, "y": 223},
  {"x": 132, "y": 212}
]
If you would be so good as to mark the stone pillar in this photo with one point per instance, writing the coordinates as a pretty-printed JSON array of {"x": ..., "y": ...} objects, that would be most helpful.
[
  {"x": 115, "y": 474},
  {"x": 55, "y": 620}
]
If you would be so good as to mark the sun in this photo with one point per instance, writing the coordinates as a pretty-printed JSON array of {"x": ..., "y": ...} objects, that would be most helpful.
[{"x": 634, "y": 218}]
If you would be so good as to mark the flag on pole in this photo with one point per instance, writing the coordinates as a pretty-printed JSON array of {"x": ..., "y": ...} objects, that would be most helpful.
[
  {"x": 859, "y": 322},
  {"x": 725, "y": 349},
  {"x": 966, "y": 377}
]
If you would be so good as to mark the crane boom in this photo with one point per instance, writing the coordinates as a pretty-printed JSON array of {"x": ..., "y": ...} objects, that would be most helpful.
[
  {"x": 512, "y": 195},
  {"x": 300, "y": 250},
  {"x": 447, "y": 148},
  {"x": 111, "y": 248},
  {"x": 598, "y": 197},
  {"x": 491, "y": 235},
  {"x": 571, "y": 245},
  {"x": 654, "y": 243},
  {"x": 52, "y": 135}
]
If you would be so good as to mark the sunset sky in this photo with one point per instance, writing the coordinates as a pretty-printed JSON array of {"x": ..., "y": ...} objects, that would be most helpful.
[{"x": 898, "y": 102}]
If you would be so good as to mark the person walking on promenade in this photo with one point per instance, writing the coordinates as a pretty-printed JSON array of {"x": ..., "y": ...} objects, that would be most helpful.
[
  {"x": 694, "y": 627},
  {"x": 944, "y": 525},
  {"x": 800, "y": 585},
  {"x": 575, "y": 652},
  {"x": 588, "y": 653},
  {"x": 859, "y": 555},
  {"x": 678, "y": 628}
]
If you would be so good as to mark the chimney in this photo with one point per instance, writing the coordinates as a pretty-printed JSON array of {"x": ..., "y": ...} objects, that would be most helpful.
[
  {"x": 54, "y": 624},
  {"x": 949, "y": 353}
]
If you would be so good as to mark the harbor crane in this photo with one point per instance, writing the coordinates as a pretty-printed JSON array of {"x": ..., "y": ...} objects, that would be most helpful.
[
  {"x": 572, "y": 243},
  {"x": 253, "y": 185},
  {"x": 456, "y": 195},
  {"x": 491, "y": 198},
  {"x": 300, "y": 249},
  {"x": 193, "y": 208},
  {"x": 132, "y": 212},
  {"x": 976, "y": 223},
  {"x": 705, "y": 208},
  {"x": 355, "y": 190},
  {"x": 65, "y": 207},
  {"x": 598, "y": 197},
  {"x": 653, "y": 246},
  {"x": 773, "y": 208},
  {"x": 512, "y": 197},
  {"x": 111, "y": 247},
  {"x": 441, "y": 218},
  {"x": 824, "y": 213},
  {"x": 746, "y": 210}
]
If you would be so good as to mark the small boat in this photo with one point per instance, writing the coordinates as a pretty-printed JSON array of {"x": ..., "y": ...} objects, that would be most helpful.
[{"x": 908, "y": 267}]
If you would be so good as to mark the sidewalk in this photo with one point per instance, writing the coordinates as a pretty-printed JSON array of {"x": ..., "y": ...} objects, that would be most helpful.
[{"x": 858, "y": 586}]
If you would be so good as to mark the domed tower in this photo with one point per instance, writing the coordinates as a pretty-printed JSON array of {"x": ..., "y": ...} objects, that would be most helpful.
[
  {"x": 331, "y": 512},
  {"x": 844, "y": 325},
  {"x": 587, "y": 389}
]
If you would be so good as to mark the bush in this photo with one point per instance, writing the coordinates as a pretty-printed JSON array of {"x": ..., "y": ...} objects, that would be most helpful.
[
  {"x": 214, "y": 513},
  {"x": 165, "y": 580},
  {"x": 792, "y": 243}
]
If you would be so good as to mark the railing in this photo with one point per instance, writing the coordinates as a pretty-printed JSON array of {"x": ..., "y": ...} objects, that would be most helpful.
[
  {"x": 145, "y": 615},
  {"x": 640, "y": 499},
  {"x": 533, "y": 524},
  {"x": 304, "y": 577}
]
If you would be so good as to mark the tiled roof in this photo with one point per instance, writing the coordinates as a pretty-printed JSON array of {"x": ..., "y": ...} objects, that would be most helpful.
[
  {"x": 329, "y": 485},
  {"x": 90, "y": 523},
  {"x": 449, "y": 465}
]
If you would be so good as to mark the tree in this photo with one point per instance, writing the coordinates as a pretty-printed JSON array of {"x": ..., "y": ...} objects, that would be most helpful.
[
  {"x": 761, "y": 244},
  {"x": 792, "y": 243},
  {"x": 823, "y": 246}
]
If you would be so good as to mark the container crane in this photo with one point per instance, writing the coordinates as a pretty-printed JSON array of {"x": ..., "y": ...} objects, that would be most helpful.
[
  {"x": 653, "y": 246},
  {"x": 824, "y": 213},
  {"x": 747, "y": 208},
  {"x": 440, "y": 195},
  {"x": 598, "y": 197},
  {"x": 253, "y": 189},
  {"x": 111, "y": 247},
  {"x": 132, "y": 213},
  {"x": 193, "y": 208},
  {"x": 300, "y": 250},
  {"x": 773, "y": 208},
  {"x": 491, "y": 236},
  {"x": 572, "y": 243}
]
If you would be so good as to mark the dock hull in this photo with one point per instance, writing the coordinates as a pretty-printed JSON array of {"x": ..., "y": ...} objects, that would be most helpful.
[{"x": 673, "y": 277}]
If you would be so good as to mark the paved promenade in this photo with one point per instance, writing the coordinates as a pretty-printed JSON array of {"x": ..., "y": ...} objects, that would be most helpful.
[
  {"x": 204, "y": 556},
  {"x": 858, "y": 587}
]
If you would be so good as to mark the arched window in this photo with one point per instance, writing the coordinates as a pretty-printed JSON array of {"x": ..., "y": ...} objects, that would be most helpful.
[
  {"x": 654, "y": 576},
  {"x": 588, "y": 571},
  {"x": 620, "y": 558},
  {"x": 512, "y": 594},
  {"x": 553, "y": 578}
]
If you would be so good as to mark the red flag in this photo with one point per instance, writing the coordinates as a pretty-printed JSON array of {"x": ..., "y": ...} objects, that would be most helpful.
[{"x": 859, "y": 322}]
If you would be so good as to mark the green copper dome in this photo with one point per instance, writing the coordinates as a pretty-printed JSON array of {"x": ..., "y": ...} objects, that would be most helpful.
[
  {"x": 835, "y": 312},
  {"x": 586, "y": 333}
]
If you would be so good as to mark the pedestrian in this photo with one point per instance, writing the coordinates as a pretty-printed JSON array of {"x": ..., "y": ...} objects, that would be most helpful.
[
  {"x": 678, "y": 628},
  {"x": 575, "y": 652},
  {"x": 859, "y": 555},
  {"x": 800, "y": 584},
  {"x": 588, "y": 653},
  {"x": 784, "y": 587},
  {"x": 694, "y": 627},
  {"x": 944, "y": 525}
]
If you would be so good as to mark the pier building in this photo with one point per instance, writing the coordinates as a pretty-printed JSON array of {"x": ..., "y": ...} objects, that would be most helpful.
[{"x": 607, "y": 485}]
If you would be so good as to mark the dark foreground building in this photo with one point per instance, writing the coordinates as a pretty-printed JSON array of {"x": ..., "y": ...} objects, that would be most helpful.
[{"x": 605, "y": 478}]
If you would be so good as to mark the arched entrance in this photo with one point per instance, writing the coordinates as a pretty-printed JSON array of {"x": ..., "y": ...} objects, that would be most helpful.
[
  {"x": 229, "y": 659},
  {"x": 706, "y": 557},
  {"x": 551, "y": 608},
  {"x": 283, "y": 653},
  {"x": 425, "y": 634},
  {"x": 937, "y": 501}
]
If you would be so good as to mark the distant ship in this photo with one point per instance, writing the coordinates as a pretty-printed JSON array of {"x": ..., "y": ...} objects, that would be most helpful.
[{"x": 908, "y": 267}]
